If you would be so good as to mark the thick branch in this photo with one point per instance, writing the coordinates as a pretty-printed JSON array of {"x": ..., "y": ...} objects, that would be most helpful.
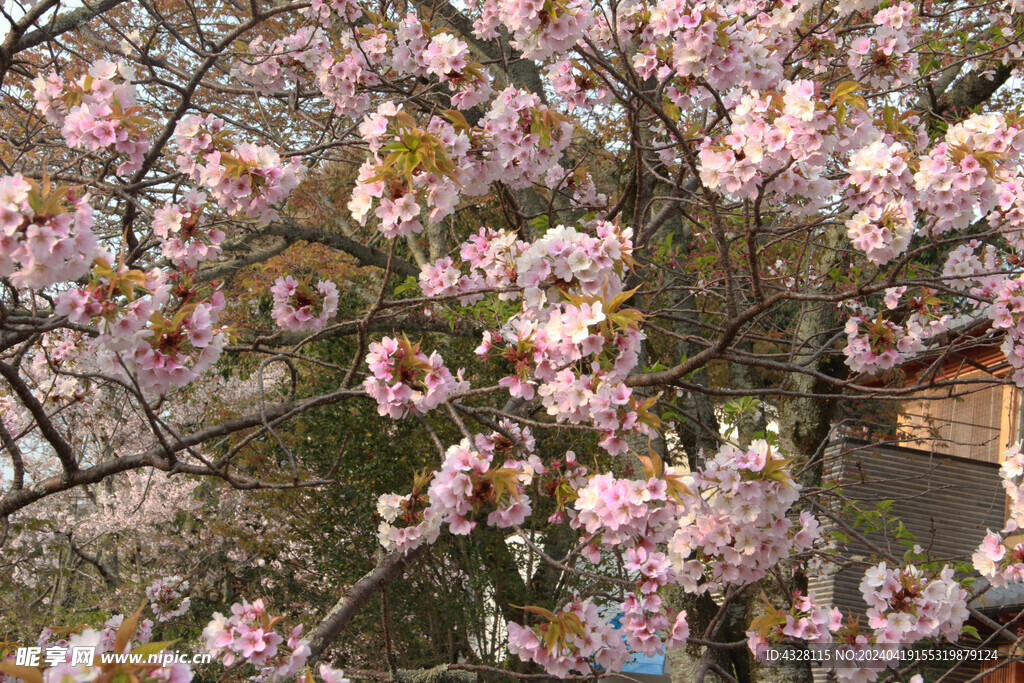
[
  {"x": 64, "y": 23},
  {"x": 341, "y": 615},
  {"x": 365, "y": 255},
  {"x": 157, "y": 456},
  {"x": 972, "y": 90}
]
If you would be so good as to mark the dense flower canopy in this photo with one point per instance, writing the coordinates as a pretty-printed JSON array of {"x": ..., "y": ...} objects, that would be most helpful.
[{"x": 617, "y": 264}]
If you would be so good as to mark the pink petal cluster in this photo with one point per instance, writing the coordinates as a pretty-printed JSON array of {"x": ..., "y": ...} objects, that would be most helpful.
[
  {"x": 468, "y": 484},
  {"x": 53, "y": 244},
  {"x": 300, "y": 308},
  {"x": 404, "y": 379},
  {"x": 805, "y": 620},
  {"x": 102, "y": 642},
  {"x": 785, "y": 141},
  {"x": 598, "y": 644},
  {"x": 97, "y": 112},
  {"x": 573, "y": 89},
  {"x": 324, "y": 10},
  {"x": 886, "y": 58},
  {"x": 249, "y": 635},
  {"x": 650, "y": 628},
  {"x": 167, "y": 597},
  {"x": 516, "y": 154},
  {"x": 518, "y": 141},
  {"x": 539, "y": 29},
  {"x": 734, "y": 526},
  {"x": 186, "y": 240},
  {"x": 407, "y": 521},
  {"x": 882, "y": 232},
  {"x": 143, "y": 633},
  {"x": 906, "y": 605},
  {"x": 279, "y": 62},
  {"x": 960, "y": 177},
  {"x": 569, "y": 354},
  {"x": 876, "y": 346},
  {"x": 137, "y": 340},
  {"x": 879, "y": 173},
  {"x": 994, "y": 559},
  {"x": 423, "y": 52},
  {"x": 244, "y": 178},
  {"x": 630, "y": 513}
]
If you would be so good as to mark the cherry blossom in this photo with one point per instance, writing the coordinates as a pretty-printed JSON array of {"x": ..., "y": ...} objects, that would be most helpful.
[
  {"x": 249, "y": 635},
  {"x": 301, "y": 308},
  {"x": 45, "y": 233},
  {"x": 186, "y": 240},
  {"x": 244, "y": 178},
  {"x": 573, "y": 639},
  {"x": 98, "y": 111},
  {"x": 405, "y": 379},
  {"x": 157, "y": 338},
  {"x": 167, "y": 598}
]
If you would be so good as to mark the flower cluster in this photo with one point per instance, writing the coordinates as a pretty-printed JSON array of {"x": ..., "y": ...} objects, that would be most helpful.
[
  {"x": 165, "y": 338},
  {"x": 959, "y": 178},
  {"x": 734, "y": 527},
  {"x": 882, "y": 233},
  {"x": 425, "y": 165},
  {"x": 45, "y": 233},
  {"x": 442, "y": 278},
  {"x": 249, "y": 635},
  {"x": 574, "y": 639},
  {"x": 785, "y": 141},
  {"x": 97, "y": 111},
  {"x": 408, "y": 521},
  {"x": 243, "y": 178},
  {"x": 805, "y": 620},
  {"x": 342, "y": 76},
  {"x": 469, "y": 483},
  {"x": 879, "y": 169},
  {"x": 519, "y": 139},
  {"x": 906, "y": 605},
  {"x": 993, "y": 559},
  {"x": 186, "y": 240},
  {"x": 405, "y": 379},
  {"x": 575, "y": 88},
  {"x": 584, "y": 190},
  {"x": 1007, "y": 313},
  {"x": 300, "y": 308},
  {"x": 539, "y": 28},
  {"x": 118, "y": 634},
  {"x": 886, "y": 58},
  {"x": 280, "y": 60},
  {"x": 167, "y": 597},
  {"x": 525, "y": 138},
  {"x": 983, "y": 275},
  {"x": 629, "y": 512},
  {"x": 701, "y": 41},
  {"x": 108, "y": 634},
  {"x": 575, "y": 355},
  {"x": 875, "y": 346},
  {"x": 649, "y": 627}
]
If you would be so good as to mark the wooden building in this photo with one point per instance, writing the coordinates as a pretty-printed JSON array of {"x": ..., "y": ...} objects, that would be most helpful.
[{"x": 941, "y": 472}]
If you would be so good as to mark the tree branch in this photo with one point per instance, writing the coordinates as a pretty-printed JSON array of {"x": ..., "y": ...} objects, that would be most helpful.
[{"x": 341, "y": 615}]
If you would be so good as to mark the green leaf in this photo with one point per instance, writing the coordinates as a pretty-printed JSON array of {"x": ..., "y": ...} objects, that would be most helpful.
[{"x": 540, "y": 224}]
